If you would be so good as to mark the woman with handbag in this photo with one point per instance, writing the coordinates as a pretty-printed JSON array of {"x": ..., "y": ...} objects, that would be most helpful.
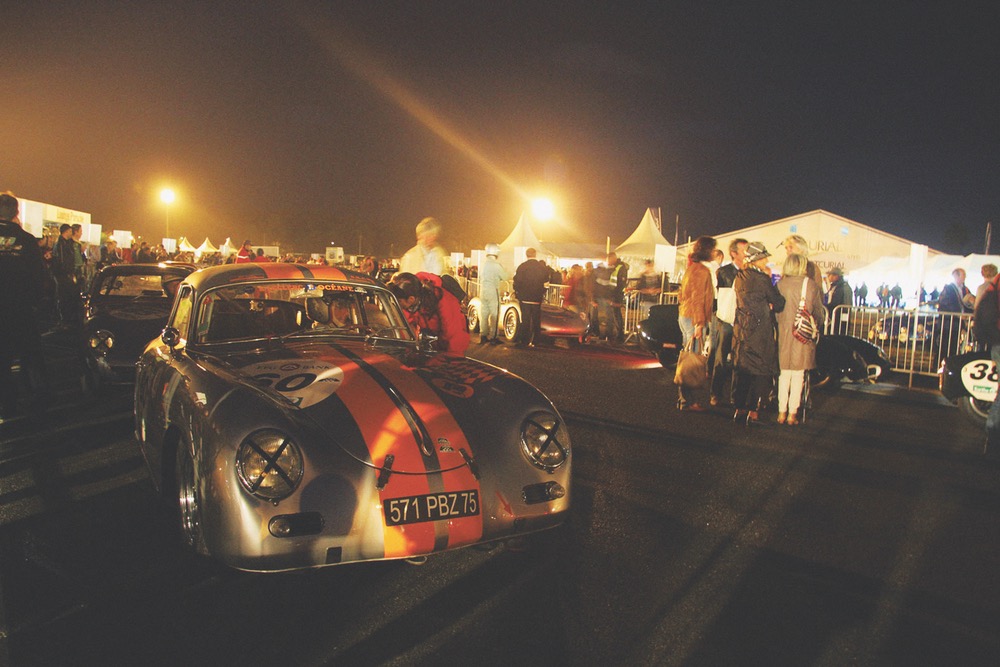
[
  {"x": 798, "y": 331},
  {"x": 755, "y": 346},
  {"x": 694, "y": 312}
]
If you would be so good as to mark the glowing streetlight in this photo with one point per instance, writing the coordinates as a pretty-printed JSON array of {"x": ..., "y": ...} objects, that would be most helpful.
[
  {"x": 167, "y": 196},
  {"x": 543, "y": 209}
]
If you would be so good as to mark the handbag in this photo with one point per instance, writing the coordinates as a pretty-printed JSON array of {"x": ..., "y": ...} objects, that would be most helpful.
[
  {"x": 692, "y": 368},
  {"x": 804, "y": 327}
]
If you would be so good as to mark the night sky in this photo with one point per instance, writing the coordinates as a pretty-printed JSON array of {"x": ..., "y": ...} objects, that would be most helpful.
[{"x": 306, "y": 123}]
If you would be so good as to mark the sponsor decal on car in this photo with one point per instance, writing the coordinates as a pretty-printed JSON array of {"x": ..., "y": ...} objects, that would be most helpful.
[{"x": 303, "y": 383}]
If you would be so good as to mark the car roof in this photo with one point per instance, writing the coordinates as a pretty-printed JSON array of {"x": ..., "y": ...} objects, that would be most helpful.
[{"x": 228, "y": 274}]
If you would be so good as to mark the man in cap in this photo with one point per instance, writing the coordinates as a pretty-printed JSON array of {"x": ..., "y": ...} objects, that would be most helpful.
[
  {"x": 245, "y": 253},
  {"x": 21, "y": 276},
  {"x": 491, "y": 274},
  {"x": 839, "y": 292}
]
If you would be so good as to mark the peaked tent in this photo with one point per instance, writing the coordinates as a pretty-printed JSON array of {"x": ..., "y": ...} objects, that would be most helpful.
[
  {"x": 647, "y": 242},
  {"x": 227, "y": 248},
  {"x": 185, "y": 246},
  {"x": 512, "y": 247},
  {"x": 206, "y": 246}
]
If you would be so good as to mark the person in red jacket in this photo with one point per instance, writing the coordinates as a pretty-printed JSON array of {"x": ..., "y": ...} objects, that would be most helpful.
[
  {"x": 245, "y": 253},
  {"x": 432, "y": 309}
]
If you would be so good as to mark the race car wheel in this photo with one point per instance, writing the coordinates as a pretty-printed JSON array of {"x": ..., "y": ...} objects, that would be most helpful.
[
  {"x": 188, "y": 503},
  {"x": 472, "y": 315},
  {"x": 667, "y": 357},
  {"x": 511, "y": 324},
  {"x": 975, "y": 409}
]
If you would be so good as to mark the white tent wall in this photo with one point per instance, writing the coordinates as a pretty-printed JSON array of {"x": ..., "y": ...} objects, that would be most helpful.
[{"x": 833, "y": 241}]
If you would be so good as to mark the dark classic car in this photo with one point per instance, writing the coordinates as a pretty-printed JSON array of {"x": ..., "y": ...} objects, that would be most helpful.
[
  {"x": 837, "y": 357},
  {"x": 127, "y": 306},
  {"x": 970, "y": 380},
  {"x": 288, "y": 435},
  {"x": 556, "y": 322}
]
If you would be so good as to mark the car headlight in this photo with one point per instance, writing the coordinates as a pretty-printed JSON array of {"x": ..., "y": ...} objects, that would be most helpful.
[
  {"x": 544, "y": 441},
  {"x": 101, "y": 341},
  {"x": 269, "y": 464}
]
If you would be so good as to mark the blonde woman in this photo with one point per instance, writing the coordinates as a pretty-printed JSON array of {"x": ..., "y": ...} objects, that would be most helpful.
[
  {"x": 794, "y": 356},
  {"x": 797, "y": 245}
]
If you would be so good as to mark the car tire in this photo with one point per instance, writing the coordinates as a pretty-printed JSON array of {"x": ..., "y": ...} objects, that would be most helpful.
[
  {"x": 823, "y": 377},
  {"x": 975, "y": 409},
  {"x": 667, "y": 357},
  {"x": 511, "y": 325},
  {"x": 472, "y": 316},
  {"x": 188, "y": 509}
]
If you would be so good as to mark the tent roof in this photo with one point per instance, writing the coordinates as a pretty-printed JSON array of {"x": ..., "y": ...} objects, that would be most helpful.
[
  {"x": 206, "y": 246},
  {"x": 185, "y": 246},
  {"x": 645, "y": 238},
  {"x": 522, "y": 236}
]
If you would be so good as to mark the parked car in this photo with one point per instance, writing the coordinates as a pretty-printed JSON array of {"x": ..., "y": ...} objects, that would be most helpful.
[
  {"x": 837, "y": 357},
  {"x": 556, "y": 322},
  {"x": 127, "y": 306},
  {"x": 288, "y": 435},
  {"x": 970, "y": 381}
]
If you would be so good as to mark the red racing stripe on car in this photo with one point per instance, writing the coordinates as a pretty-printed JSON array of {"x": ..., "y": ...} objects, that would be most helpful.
[
  {"x": 369, "y": 405},
  {"x": 449, "y": 440},
  {"x": 281, "y": 271}
]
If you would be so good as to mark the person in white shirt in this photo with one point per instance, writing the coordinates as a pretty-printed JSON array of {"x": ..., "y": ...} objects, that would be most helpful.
[{"x": 427, "y": 256}]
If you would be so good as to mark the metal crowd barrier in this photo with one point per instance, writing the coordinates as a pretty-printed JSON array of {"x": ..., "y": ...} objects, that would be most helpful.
[{"x": 915, "y": 340}]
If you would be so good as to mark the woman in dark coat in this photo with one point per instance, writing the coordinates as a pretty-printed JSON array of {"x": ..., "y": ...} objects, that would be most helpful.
[{"x": 755, "y": 345}]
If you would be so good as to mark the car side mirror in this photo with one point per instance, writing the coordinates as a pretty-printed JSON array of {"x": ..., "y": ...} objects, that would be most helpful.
[{"x": 171, "y": 337}]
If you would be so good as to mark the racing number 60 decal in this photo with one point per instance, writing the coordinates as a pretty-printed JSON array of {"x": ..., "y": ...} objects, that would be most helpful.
[{"x": 304, "y": 383}]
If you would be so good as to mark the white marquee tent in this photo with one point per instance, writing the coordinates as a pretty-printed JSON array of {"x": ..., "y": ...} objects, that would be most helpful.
[{"x": 648, "y": 242}]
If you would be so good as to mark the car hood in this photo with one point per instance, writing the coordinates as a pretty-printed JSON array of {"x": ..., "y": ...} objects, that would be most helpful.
[{"x": 380, "y": 402}]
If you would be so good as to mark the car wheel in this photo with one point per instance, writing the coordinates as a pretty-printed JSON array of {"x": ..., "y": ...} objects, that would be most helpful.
[
  {"x": 667, "y": 357},
  {"x": 975, "y": 409},
  {"x": 823, "y": 377},
  {"x": 511, "y": 324},
  {"x": 188, "y": 502},
  {"x": 472, "y": 315}
]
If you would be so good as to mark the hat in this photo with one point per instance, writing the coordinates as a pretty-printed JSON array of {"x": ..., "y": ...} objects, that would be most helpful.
[
  {"x": 835, "y": 271},
  {"x": 755, "y": 251}
]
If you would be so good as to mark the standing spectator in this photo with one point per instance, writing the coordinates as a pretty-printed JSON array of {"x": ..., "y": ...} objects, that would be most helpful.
[
  {"x": 491, "y": 274},
  {"x": 795, "y": 357},
  {"x": 144, "y": 255},
  {"x": 21, "y": 284},
  {"x": 369, "y": 266},
  {"x": 589, "y": 284},
  {"x": 988, "y": 272},
  {"x": 64, "y": 269},
  {"x": 245, "y": 254},
  {"x": 883, "y": 295},
  {"x": 896, "y": 296},
  {"x": 575, "y": 295},
  {"x": 617, "y": 282},
  {"x": 430, "y": 308},
  {"x": 755, "y": 345},
  {"x": 427, "y": 255},
  {"x": 529, "y": 286},
  {"x": 110, "y": 253},
  {"x": 602, "y": 302},
  {"x": 797, "y": 245},
  {"x": 79, "y": 257},
  {"x": 650, "y": 286},
  {"x": 839, "y": 292},
  {"x": 259, "y": 256},
  {"x": 722, "y": 327},
  {"x": 861, "y": 295},
  {"x": 694, "y": 310},
  {"x": 956, "y": 297}
]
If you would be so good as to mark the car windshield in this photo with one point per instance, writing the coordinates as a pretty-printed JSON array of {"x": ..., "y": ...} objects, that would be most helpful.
[
  {"x": 271, "y": 309},
  {"x": 131, "y": 285}
]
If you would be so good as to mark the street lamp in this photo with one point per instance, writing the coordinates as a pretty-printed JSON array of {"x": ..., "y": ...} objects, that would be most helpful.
[{"x": 167, "y": 196}]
